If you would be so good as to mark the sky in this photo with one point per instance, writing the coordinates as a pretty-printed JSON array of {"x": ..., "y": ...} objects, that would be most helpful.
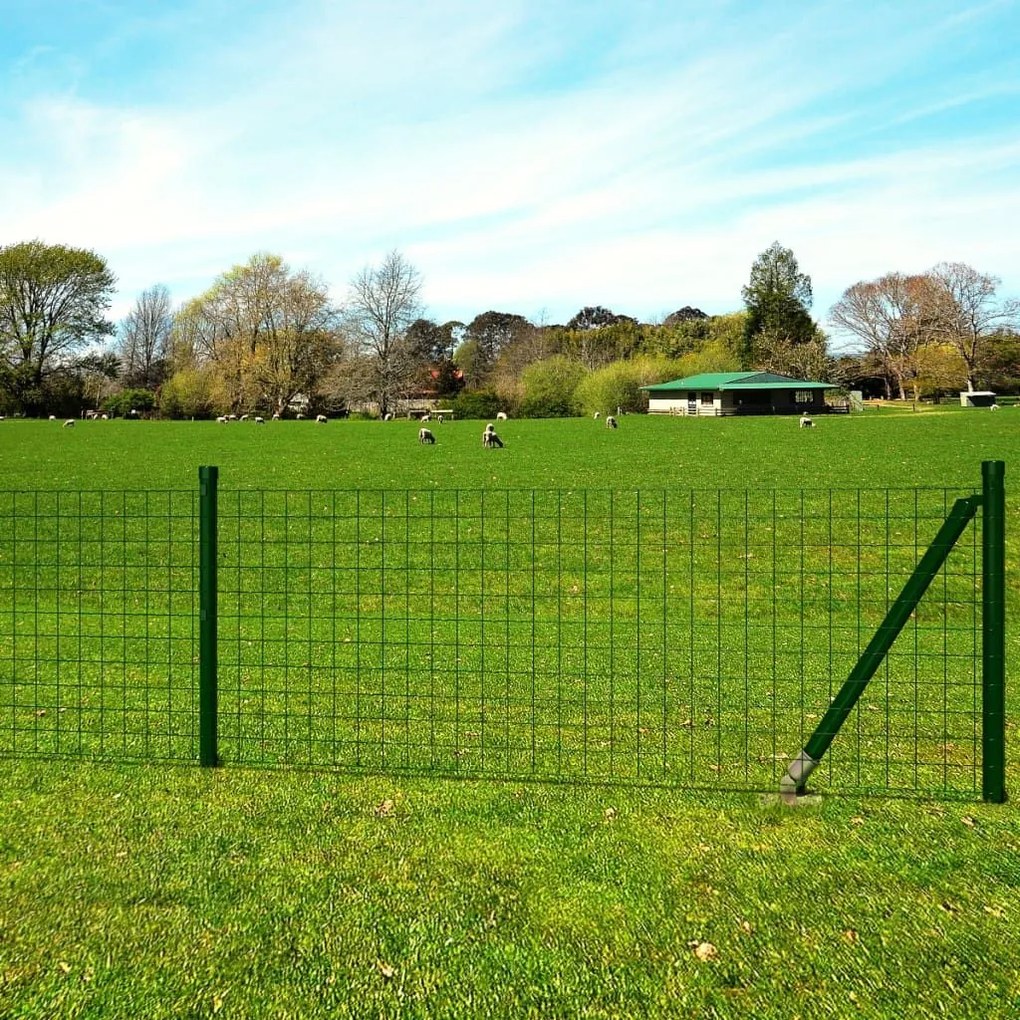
[{"x": 530, "y": 156}]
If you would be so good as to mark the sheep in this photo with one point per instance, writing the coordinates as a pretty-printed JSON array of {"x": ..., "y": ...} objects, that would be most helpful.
[
  {"x": 425, "y": 436},
  {"x": 439, "y": 419},
  {"x": 244, "y": 417},
  {"x": 276, "y": 416},
  {"x": 994, "y": 407},
  {"x": 53, "y": 417},
  {"x": 597, "y": 415},
  {"x": 222, "y": 419},
  {"x": 388, "y": 416},
  {"x": 426, "y": 417},
  {"x": 490, "y": 439},
  {"x": 321, "y": 419},
  {"x": 611, "y": 422},
  {"x": 232, "y": 417},
  {"x": 69, "y": 424},
  {"x": 299, "y": 416},
  {"x": 806, "y": 422},
  {"x": 501, "y": 416},
  {"x": 105, "y": 417},
  {"x": 259, "y": 420}
]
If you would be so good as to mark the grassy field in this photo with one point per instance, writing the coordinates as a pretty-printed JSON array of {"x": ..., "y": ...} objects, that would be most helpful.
[{"x": 160, "y": 891}]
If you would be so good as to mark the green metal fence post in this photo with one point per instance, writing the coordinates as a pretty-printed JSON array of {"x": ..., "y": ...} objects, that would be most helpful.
[
  {"x": 993, "y": 632},
  {"x": 207, "y": 693}
]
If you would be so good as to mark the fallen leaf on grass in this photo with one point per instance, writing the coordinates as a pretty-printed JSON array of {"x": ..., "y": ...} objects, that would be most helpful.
[
  {"x": 65, "y": 967},
  {"x": 705, "y": 951},
  {"x": 40, "y": 713},
  {"x": 968, "y": 821},
  {"x": 746, "y": 927},
  {"x": 948, "y": 907},
  {"x": 851, "y": 936},
  {"x": 385, "y": 969},
  {"x": 384, "y": 810},
  {"x": 857, "y": 820},
  {"x": 610, "y": 813},
  {"x": 994, "y": 911}
]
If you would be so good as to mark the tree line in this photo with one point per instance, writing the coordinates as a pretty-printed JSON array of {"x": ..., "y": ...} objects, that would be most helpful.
[{"x": 266, "y": 337}]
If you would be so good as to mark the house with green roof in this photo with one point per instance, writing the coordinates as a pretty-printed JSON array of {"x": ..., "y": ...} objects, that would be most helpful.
[{"x": 728, "y": 393}]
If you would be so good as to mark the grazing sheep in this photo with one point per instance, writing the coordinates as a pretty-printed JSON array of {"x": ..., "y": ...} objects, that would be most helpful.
[
  {"x": 425, "y": 436},
  {"x": 53, "y": 417},
  {"x": 610, "y": 422},
  {"x": 69, "y": 424},
  {"x": 994, "y": 407},
  {"x": 244, "y": 417},
  {"x": 490, "y": 439},
  {"x": 105, "y": 417},
  {"x": 299, "y": 416},
  {"x": 806, "y": 422},
  {"x": 426, "y": 417},
  {"x": 388, "y": 416},
  {"x": 222, "y": 419},
  {"x": 276, "y": 416},
  {"x": 501, "y": 416},
  {"x": 321, "y": 419},
  {"x": 232, "y": 417},
  {"x": 259, "y": 420},
  {"x": 439, "y": 419},
  {"x": 597, "y": 415}
]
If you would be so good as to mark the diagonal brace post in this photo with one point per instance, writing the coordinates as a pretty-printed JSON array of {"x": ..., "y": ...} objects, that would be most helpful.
[{"x": 899, "y": 612}]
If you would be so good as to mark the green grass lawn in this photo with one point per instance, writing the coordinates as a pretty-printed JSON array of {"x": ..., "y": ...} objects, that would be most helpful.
[{"x": 156, "y": 890}]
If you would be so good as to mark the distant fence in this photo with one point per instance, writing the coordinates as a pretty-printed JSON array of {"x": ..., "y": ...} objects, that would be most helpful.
[{"x": 694, "y": 638}]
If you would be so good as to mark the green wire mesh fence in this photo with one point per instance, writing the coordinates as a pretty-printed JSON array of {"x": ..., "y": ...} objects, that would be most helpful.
[
  {"x": 691, "y": 638},
  {"x": 98, "y": 623}
]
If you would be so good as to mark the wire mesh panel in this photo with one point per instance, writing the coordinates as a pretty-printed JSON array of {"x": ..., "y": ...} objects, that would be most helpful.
[
  {"x": 97, "y": 623},
  {"x": 691, "y": 637}
]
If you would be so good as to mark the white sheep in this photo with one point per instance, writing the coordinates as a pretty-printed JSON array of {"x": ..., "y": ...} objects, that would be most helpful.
[
  {"x": 69, "y": 424},
  {"x": 806, "y": 422},
  {"x": 259, "y": 420},
  {"x": 299, "y": 416},
  {"x": 597, "y": 415},
  {"x": 222, "y": 419},
  {"x": 994, "y": 407},
  {"x": 501, "y": 416},
  {"x": 232, "y": 417},
  {"x": 426, "y": 417},
  {"x": 105, "y": 417},
  {"x": 388, "y": 416},
  {"x": 276, "y": 416},
  {"x": 611, "y": 422},
  {"x": 425, "y": 436},
  {"x": 439, "y": 419},
  {"x": 244, "y": 417},
  {"x": 321, "y": 419},
  {"x": 53, "y": 417}
]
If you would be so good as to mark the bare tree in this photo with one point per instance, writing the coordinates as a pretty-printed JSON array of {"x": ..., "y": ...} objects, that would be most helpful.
[
  {"x": 144, "y": 347},
  {"x": 966, "y": 312},
  {"x": 381, "y": 306},
  {"x": 893, "y": 316}
]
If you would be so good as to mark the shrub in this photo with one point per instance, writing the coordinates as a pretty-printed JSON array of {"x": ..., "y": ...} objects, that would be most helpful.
[
  {"x": 549, "y": 387},
  {"x": 476, "y": 404},
  {"x": 120, "y": 405},
  {"x": 619, "y": 384},
  {"x": 188, "y": 394}
]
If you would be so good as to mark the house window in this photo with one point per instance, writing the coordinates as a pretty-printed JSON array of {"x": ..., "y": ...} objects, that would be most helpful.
[
  {"x": 803, "y": 397},
  {"x": 707, "y": 399}
]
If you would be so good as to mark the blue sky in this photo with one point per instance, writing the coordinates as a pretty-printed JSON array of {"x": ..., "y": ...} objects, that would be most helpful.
[{"x": 531, "y": 156}]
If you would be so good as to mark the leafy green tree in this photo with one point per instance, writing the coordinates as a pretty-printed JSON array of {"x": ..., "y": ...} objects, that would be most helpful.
[
  {"x": 266, "y": 331},
  {"x": 492, "y": 331},
  {"x": 777, "y": 297},
  {"x": 592, "y": 317},
  {"x": 52, "y": 304}
]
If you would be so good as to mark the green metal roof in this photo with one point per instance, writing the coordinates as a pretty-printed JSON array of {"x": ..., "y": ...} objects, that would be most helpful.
[{"x": 740, "y": 381}]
